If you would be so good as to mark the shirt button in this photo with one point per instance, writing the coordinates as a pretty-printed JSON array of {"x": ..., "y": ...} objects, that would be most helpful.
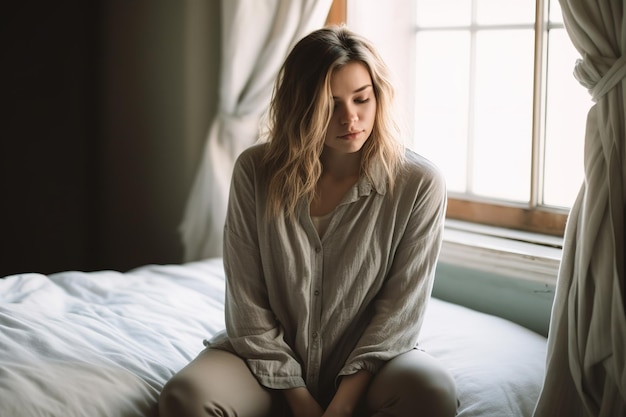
[
  {"x": 314, "y": 335},
  {"x": 316, "y": 292},
  {"x": 318, "y": 249}
]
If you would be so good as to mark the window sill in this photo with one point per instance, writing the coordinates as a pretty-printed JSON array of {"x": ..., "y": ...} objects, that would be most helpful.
[{"x": 511, "y": 253}]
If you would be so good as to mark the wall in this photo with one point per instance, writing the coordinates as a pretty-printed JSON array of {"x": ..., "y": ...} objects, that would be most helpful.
[
  {"x": 389, "y": 29},
  {"x": 107, "y": 104},
  {"x": 46, "y": 158},
  {"x": 158, "y": 93}
]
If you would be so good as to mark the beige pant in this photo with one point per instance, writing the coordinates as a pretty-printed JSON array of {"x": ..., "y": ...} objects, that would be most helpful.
[{"x": 218, "y": 383}]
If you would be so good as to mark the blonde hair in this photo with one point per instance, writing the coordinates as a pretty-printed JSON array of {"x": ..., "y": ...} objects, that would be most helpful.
[{"x": 301, "y": 109}]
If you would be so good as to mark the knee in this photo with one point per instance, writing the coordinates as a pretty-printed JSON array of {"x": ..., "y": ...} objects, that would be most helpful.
[
  {"x": 432, "y": 395},
  {"x": 185, "y": 396},
  {"x": 440, "y": 396},
  {"x": 173, "y": 398},
  {"x": 179, "y": 397}
]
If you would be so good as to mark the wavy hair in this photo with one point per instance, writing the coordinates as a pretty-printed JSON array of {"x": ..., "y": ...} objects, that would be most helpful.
[{"x": 301, "y": 109}]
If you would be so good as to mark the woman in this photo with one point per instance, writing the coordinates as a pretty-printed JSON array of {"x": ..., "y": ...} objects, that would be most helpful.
[{"x": 331, "y": 239}]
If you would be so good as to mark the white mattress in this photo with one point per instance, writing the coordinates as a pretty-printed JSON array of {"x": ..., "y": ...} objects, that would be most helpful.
[{"x": 104, "y": 343}]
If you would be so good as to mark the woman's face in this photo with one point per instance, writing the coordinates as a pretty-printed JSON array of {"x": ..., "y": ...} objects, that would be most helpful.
[{"x": 355, "y": 108}]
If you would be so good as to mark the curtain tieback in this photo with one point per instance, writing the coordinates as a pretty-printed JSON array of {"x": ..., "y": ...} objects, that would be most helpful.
[{"x": 597, "y": 84}]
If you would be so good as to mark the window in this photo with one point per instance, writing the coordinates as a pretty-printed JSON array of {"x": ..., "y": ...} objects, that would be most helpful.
[
  {"x": 497, "y": 108},
  {"x": 494, "y": 103}
]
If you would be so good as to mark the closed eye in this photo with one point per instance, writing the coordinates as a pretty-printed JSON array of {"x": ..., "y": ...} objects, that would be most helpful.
[{"x": 358, "y": 100}]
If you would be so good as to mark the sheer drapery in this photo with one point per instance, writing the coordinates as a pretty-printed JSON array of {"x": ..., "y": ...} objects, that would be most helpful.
[
  {"x": 586, "y": 372},
  {"x": 256, "y": 38}
]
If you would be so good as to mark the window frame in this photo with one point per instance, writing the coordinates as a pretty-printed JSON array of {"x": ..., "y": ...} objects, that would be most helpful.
[{"x": 338, "y": 13}]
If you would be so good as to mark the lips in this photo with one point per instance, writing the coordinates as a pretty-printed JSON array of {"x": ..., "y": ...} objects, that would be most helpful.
[{"x": 351, "y": 135}]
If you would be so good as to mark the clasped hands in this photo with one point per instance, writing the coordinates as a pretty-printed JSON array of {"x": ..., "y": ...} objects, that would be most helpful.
[{"x": 351, "y": 389}]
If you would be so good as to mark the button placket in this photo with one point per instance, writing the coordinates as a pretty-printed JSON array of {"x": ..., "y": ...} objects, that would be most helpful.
[{"x": 314, "y": 329}]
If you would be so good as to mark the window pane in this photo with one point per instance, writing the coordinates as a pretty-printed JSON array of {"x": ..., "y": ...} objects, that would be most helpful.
[
  {"x": 432, "y": 13},
  {"x": 503, "y": 114},
  {"x": 498, "y": 12},
  {"x": 442, "y": 86},
  {"x": 555, "y": 13},
  {"x": 567, "y": 105}
]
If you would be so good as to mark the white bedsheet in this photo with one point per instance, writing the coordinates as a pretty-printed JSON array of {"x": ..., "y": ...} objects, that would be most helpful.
[{"x": 104, "y": 343}]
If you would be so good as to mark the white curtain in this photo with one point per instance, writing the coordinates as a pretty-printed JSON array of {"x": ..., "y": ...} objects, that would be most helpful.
[
  {"x": 256, "y": 37},
  {"x": 586, "y": 363}
]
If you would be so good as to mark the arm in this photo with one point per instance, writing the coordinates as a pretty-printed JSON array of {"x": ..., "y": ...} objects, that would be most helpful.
[
  {"x": 252, "y": 328},
  {"x": 301, "y": 403},
  {"x": 399, "y": 306},
  {"x": 351, "y": 390}
]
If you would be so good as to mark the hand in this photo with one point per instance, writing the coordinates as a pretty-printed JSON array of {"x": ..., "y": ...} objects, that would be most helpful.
[
  {"x": 302, "y": 403},
  {"x": 309, "y": 412},
  {"x": 332, "y": 412},
  {"x": 351, "y": 389}
]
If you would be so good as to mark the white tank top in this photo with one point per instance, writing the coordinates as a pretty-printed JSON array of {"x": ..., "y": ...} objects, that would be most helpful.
[{"x": 321, "y": 223}]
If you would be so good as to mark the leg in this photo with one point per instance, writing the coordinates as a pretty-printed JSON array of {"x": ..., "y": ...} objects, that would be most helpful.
[
  {"x": 215, "y": 383},
  {"x": 412, "y": 384}
]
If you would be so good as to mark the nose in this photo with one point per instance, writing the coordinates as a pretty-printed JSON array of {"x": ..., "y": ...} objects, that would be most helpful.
[{"x": 348, "y": 114}]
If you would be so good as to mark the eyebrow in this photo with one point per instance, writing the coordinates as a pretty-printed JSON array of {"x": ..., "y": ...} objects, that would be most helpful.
[{"x": 358, "y": 90}]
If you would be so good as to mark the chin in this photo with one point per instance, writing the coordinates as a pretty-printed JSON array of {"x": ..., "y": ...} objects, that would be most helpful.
[
  {"x": 349, "y": 149},
  {"x": 345, "y": 146}
]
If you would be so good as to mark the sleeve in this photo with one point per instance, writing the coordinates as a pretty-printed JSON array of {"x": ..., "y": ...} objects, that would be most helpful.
[
  {"x": 253, "y": 331},
  {"x": 400, "y": 305}
]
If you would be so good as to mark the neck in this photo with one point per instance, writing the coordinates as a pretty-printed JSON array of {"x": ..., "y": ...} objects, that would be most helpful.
[{"x": 340, "y": 165}]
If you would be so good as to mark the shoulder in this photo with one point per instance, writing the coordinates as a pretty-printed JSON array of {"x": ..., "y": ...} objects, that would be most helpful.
[
  {"x": 248, "y": 171},
  {"x": 252, "y": 155},
  {"x": 250, "y": 161},
  {"x": 418, "y": 171},
  {"x": 421, "y": 188}
]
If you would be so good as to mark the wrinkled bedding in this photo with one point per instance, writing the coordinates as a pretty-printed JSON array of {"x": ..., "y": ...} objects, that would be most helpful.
[{"x": 104, "y": 343}]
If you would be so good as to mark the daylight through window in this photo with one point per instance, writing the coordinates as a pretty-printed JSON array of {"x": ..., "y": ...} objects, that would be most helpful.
[{"x": 499, "y": 111}]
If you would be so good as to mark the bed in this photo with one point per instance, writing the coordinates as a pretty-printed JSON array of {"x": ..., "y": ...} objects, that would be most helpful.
[{"x": 104, "y": 343}]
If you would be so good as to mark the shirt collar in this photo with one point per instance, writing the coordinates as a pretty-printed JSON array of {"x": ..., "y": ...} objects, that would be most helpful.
[
  {"x": 365, "y": 186},
  {"x": 377, "y": 180}
]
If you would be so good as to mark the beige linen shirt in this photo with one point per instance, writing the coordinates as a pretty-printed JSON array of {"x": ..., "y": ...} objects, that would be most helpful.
[{"x": 303, "y": 311}]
